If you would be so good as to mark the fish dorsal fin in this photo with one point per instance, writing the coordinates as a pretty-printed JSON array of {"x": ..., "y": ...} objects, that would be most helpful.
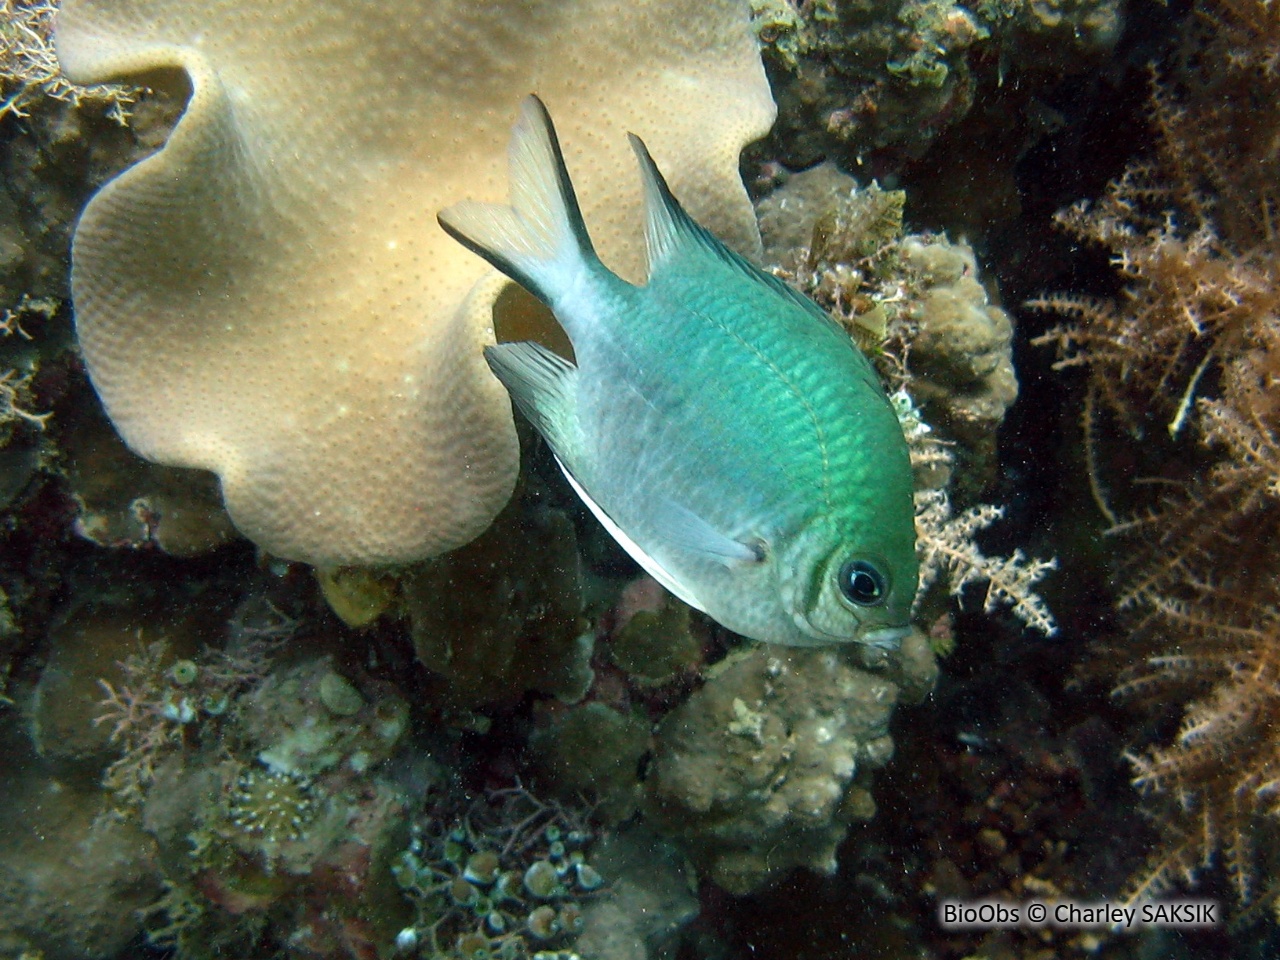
[
  {"x": 544, "y": 385},
  {"x": 668, "y": 229},
  {"x": 672, "y": 236}
]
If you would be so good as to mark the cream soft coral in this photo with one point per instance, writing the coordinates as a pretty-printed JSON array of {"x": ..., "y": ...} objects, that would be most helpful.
[{"x": 269, "y": 296}]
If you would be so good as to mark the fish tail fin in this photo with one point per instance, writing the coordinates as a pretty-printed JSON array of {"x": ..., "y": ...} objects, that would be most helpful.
[{"x": 540, "y": 239}]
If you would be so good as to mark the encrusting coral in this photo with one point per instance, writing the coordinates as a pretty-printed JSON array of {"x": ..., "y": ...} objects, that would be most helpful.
[
  {"x": 492, "y": 624},
  {"x": 879, "y": 80},
  {"x": 285, "y": 814},
  {"x": 1186, "y": 367},
  {"x": 269, "y": 296},
  {"x": 151, "y": 710},
  {"x": 765, "y": 767},
  {"x": 82, "y": 901},
  {"x": 912, "y": 301},
  {"x": 126, "y": 501}
]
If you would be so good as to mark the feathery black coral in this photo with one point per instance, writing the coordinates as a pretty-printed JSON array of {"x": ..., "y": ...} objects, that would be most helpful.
[{"x": 1192, "y": 352}]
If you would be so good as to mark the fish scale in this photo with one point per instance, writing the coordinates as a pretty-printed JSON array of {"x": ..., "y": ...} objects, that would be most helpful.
[
  {"x": 727, "y": 433},
  {"x": 700, "y": 401}
]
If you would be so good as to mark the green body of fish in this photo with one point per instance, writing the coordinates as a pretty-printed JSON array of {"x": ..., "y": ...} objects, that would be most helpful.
[{"x": 722, "y": 427}]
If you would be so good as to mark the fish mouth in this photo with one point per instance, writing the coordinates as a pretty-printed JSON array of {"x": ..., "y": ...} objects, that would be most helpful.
[{"x": 886, "y": 638}]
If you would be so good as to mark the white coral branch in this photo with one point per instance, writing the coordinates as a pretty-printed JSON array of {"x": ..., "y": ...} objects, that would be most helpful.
[
  {"x": 947, "y": 549},
  {"x": 29, "y": 64}
]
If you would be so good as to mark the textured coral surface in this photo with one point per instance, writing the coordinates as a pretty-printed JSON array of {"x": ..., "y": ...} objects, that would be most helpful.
[
  {"x": 763, "y": 768},
  {"x": 269, "y": 296}
]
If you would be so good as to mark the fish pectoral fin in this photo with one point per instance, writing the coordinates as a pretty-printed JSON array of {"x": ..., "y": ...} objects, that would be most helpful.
[
  {"x": 681, "y": 527},
  {"x": 639, "y": 555},
  {"x": 544, "y": 386}
]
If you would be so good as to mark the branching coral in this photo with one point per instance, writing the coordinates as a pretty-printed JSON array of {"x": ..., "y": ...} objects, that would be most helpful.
[
  {"x": 1186, "y": 366},
  {"x": 948, "y": 551},
  {"x": 15, "y": 383},
  {"x": 14, "y": 389}
]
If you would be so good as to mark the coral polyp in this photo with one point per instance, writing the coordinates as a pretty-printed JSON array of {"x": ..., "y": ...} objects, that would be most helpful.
[
  {"x": 273, "y": 806},
  {"x": 498, "y": 877}
]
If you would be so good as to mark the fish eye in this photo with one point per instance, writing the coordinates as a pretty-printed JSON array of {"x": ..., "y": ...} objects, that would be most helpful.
[{"x": 862, "y": 584}]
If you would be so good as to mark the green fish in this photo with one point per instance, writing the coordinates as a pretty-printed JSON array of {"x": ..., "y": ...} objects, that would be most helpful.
[{"x": 721, "y": 426}]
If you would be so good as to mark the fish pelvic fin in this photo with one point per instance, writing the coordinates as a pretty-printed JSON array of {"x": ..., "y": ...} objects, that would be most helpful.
[
  {"x": 540, "y": 239},
  {"x": 675, "y": 241},
  {"x": 544, "y": 387}
]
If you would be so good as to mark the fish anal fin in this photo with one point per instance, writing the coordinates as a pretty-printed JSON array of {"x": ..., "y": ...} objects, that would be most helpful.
[{"x": 543, "y": 385}]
